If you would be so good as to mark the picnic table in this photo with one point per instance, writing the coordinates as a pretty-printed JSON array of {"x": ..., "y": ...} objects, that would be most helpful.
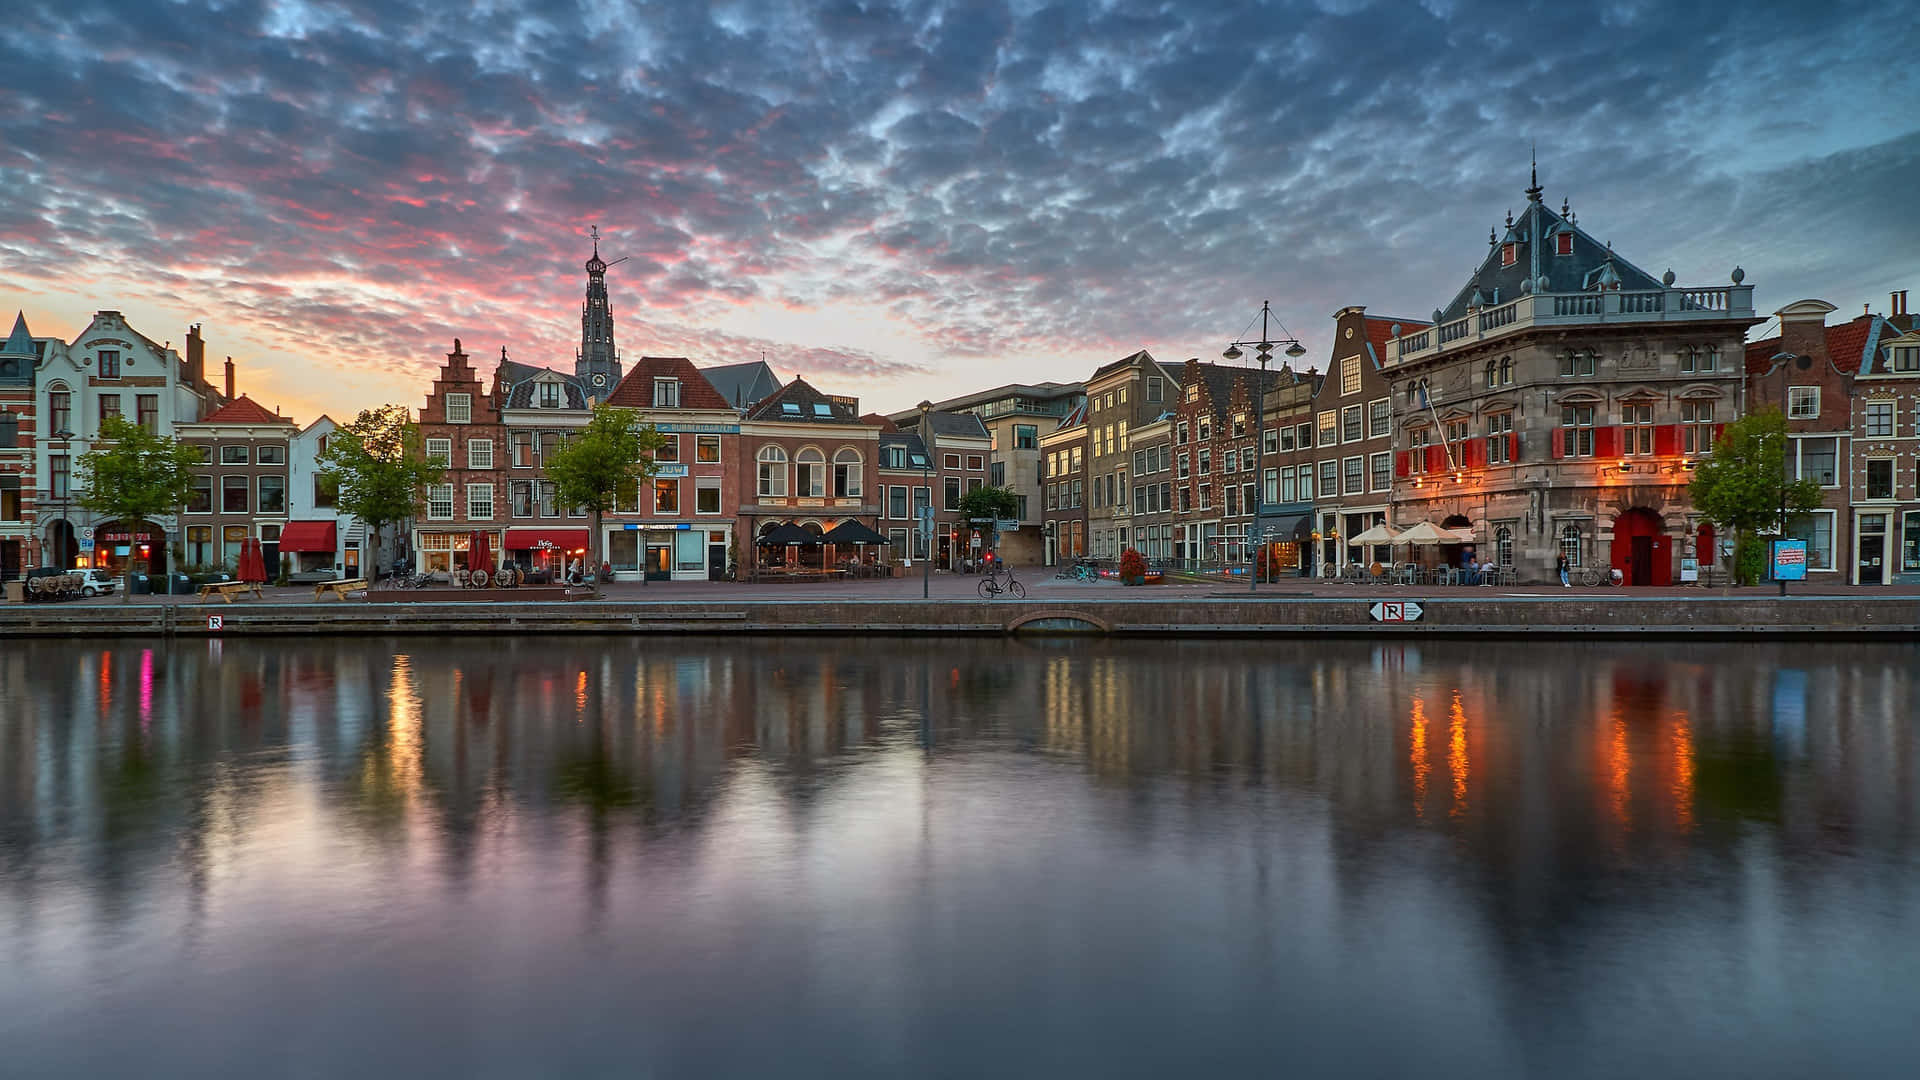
[
  {"x": 339, "y": 588},
  {"x": 227, "y": 590}
]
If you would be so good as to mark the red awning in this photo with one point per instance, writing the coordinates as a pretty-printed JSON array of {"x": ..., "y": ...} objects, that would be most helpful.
[
  {"x": 562, "y": 539},
  {"x": 308, "y": 536}
]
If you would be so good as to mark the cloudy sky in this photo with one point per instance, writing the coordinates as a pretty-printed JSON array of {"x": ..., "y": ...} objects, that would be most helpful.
[{"x": 908, "y": 199}]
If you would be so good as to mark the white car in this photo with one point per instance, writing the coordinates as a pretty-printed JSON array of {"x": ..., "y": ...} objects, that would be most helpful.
[{"x": 96, "y": 582}]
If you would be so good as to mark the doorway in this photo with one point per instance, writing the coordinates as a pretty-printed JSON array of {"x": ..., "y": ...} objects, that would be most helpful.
[
  {"x": 1641, "y": 551},
  {"x": 1870, "y": 551}
]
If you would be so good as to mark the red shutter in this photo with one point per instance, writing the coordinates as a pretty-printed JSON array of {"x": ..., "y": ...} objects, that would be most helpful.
[
  {"x": 1436, "y": 458},
  {"x": 1513, "y": 446},
  {"x": 1402, "y": 464},
  {"x": 1559, "y": 442},
  {"x": 1666, "y": 440},
  {"x": 1606, "y": 441},
  {"x": 1473, "y": 453},
  {"x": 1719, "y": 432}
]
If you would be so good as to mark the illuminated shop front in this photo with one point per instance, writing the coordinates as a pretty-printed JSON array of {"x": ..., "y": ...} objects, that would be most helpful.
[{"x": 669, "y": 552}]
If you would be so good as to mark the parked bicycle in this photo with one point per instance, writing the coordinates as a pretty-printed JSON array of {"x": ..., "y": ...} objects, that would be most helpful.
[
  {"x": 1599, "y": 576},
  {"x": 1080, "y": 571},
  {"x": 1000, "y": 580}
]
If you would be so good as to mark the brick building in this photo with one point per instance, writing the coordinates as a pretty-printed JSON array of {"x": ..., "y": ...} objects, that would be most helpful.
[
  {"x": 241, "y": 490},
  {"x": 460, "y": 428},
  {"x": 906, "y": 483},
  {"x": 1216, "y": 462},
  {"x": 1151, "y": 517},
  {"x": 1063, "y": 453},
  {"x": 814, "y": 463},
  {"x": 1352, "y": 436},
  {"x": 1287, "y": 472},
  {"x": 958, "y": 447},
  {"x": 1125, "y": 394},
  {"x": 681, "y": 526},
  {"x": 19, "y": 359}
]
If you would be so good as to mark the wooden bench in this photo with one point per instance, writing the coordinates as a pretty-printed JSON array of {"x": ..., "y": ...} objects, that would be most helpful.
[
  {"x": 339, "y": 588},
  {"x": 227, "y": 590}
]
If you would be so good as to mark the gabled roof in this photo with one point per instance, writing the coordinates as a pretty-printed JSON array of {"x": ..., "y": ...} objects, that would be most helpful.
[
  {"x": 1143, "y": 356},
  {"x": 518, "y": 381},
  {"x": 1075, "y": 418},
  {"x": 244, "y": 410},
  {"x": 958, "y": 425},
  {"x": 1850, "y": 346},
  {"x": 1591, "y": 266},
  {"x": 798, "y": 402},
  {"x": 878, "y": 421},
  {"x": 1380, "y": 331},
  {"x": 743, "y": 385},
  {"x": 636, "y": 389},
  {"x": 1219, "y": 380},
  {"x": 20, "y": 342},
  {"x": 916, "y": 450}
]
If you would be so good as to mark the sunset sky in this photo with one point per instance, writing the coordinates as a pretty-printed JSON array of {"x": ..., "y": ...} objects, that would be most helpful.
[{"x": 907, "y": 200}]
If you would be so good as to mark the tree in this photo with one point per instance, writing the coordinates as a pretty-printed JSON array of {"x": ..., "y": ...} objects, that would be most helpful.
[
  {"x": 133, "y": 474},
  {"x": 612, "y": 454},
  {"x": 1743, "y": 486},
  {"x": 378, "y": 466},
  {"x": 998, "y": 503}
]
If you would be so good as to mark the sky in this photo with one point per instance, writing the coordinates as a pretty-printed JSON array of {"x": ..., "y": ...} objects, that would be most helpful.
[{"x": 908, "y": 200}]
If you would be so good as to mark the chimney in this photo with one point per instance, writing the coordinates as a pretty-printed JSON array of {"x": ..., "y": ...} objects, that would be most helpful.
[
  {"x": 1897, "y": 303},
  {"x": 196, "y": 356},
  {"x": 1803, "y": 328},
  {"x": 229, "y": 378}
]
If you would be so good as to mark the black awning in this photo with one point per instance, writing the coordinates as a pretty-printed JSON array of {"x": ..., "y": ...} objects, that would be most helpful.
[
  {"x": 1284, "y": 527},
  {"x": 852, "y": 532},
  {"x": 787, "y": 534}
]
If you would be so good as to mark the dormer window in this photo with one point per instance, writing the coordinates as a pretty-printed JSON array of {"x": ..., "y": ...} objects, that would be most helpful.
[
  {"x": 1563, "y": 244},
  {"x": 549, "y": 395},
  {"x": 1509, "y": 254},
  {"x": 666, "y": 393},
  {"x": 109, "y": 363},
  {"x": 790, "y": 408},
  {"x": 896, "y": 457},
  {"x": 822, "y": 409}
]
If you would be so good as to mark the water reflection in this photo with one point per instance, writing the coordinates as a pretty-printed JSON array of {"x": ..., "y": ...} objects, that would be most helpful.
[{"x": 1118, "y": 856}]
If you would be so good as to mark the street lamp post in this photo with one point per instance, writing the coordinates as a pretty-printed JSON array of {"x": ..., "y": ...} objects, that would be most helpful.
[{"x": 1263, "y": 350}]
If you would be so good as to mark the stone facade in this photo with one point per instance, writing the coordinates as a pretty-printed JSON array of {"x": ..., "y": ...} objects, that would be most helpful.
[
  {"x": 1063, "y": 454},
  {"x": 1126, "y": 394}
]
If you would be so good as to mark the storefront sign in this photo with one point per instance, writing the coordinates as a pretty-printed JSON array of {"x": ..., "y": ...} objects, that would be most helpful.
[
  {"x": 670, "y": 472},
  {"x": 1789, "y": 560},
  {"x": 663, "y": 526},
  {"x": 697, "y": 429}
]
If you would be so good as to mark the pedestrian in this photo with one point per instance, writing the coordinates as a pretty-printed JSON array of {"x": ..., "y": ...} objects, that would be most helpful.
[{"x": 1564, "y": 583}]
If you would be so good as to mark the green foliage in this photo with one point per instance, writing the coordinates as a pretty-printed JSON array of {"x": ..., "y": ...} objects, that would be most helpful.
[
  {"x": 379, "y": 468},
  {"x": 1749, "y": 559},
  {"x": 132, "y": 475},
  {"x": 612, "y": 454},
  {"x": 1744, "y": 486},
  {"x": 990, "y": 502}
]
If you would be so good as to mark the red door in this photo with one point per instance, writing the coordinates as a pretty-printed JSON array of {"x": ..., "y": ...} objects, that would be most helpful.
[{"x": 1642, "y": 554}]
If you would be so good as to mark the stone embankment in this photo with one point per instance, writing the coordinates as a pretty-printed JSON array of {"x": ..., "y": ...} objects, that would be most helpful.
[{"x": 1884, "y": 617}]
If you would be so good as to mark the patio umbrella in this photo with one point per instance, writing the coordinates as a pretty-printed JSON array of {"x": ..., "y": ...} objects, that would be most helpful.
[
  {"x": 253, "y": 562},
  {"x": 1379, "y": 534},
  {"x": 1427, "y": 534},
  {"x": 787, "y": 534},
  {"x": 479, "y": 558},
  {"x": 1465, "y": 534},
  {"x": 851, "y": 531}
]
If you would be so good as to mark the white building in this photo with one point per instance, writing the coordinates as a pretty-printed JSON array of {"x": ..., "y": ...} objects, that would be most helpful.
[{"x": 319, "y": 534}]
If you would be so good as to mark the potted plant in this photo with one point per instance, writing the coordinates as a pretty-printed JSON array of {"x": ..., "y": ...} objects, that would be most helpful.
[{"x": 1133, "y": 567}]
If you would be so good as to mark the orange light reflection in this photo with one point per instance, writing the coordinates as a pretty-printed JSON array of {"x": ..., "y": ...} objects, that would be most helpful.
[
  {"x": 1421, "y": 766},
  {"x": 1457, "y": 762}
]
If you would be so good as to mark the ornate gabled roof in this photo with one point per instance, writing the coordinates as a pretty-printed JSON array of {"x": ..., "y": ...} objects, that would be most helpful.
[
  {"x": 20, "y": 342},
  {"x": 636, "y": 390},
  {"x": 1538, "y": 266},
  {"x": 1219, "y": 380},
  {"x": 244, "y": 410},
  {"x": 797, "y": 402}
]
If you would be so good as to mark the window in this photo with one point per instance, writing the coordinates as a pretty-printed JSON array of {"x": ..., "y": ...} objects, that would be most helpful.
[
  {"x": 1329, "y": 478},
  {"x": 896, "y": 458},
  {"x": 1503, "y": 546},
  {"x": 666, "y": 495},
  {"x": 1563, "y": 244},
  {"x": 271, "y": 454},
  {"x": 1577, "y": 438},
  {"x": 1379, "y": 419},
  {"x": 897, "y": 502},
  {"x": 951, "y": 493},
  {"x": 1206, "y": 428},
  {"x": 846, "y": 473},
  {"x": 1879, "y": 420},
  {"x": 823, "y": 410},
  {"x": 1270, "y": 440},
  {"x": 1571, "y": 547},
  {"x": 1239, "y": 425},
  {"x": 975, "y": 462},
  {"x": 1380, "y": 471},
  {"x": 199, "y": 545},
  {"x": 1417, "y": 440},
  {"x": 1819, "y": 461},
  {"x": 669, "y": 449},
  {"x": 1696, "y": 427},
  {"x": 59, "y": 478},
  {"x": 773, "y": 472},
  {"x": 1910, "y": 542},
  {"x": 666, "y": 393},
  {"x": 1803, "y": 402},
  {"x": 520, "y": 498},
  {"x": 1493, "y": 374},
  {"x": 326, "y": 491},
  {"x": 1816, "y": 529},
  {"x": 234, "y": 496},
  {"x": 201, "y": 501},
  {"x": 1303, "y": 436},
  {"x": 1156, "y": 389},
  {"x": 273, "y": 494},
  {"x": 1230, "y": 461},
  {"x": 459, "y": 408},
  {"x": 1577, "y": 362},
  {"x": 1076, "y": 459},
  {"x": 950, "y": 461},
  {"x": 1907, "y": 358},
  {"x": 440, "y": 452},
  {"x": 1698, "y": 358},
  {"x": 479, "y": 453},
  {"x": 1231, "y": 497},
  {"x": 480, "y": 502},
  {"x": 1506, "y": 371},
  {"x": 810, "y": 474},
  {"x": 440, "y": 502},
  {"x": 549, "y": 395},
  {"x": 109, "y": 406},
  {"x": 1329, "y": 428},
  {"x": 1350, "y": 424},
  {"x": 1350, "y": 376},
  {"x": 1880, "y": 478},
  {"x": 706, "y": 495},
  {"x": 1286, "y": 485},
  {"x": 1509, "y": 254},
  {"x": 233, "y": 455},
  {"x": 1499, "y": 438},
  {"x": 706, "y": 449},
  {"x": 549, "y": 499},
  {"x": 1206, "y": 462},
  {"x": 1355, "y": 479},
  {"x": 1180, "y": 433},
  {"x": 1246, "y": 459},
  {"x": 1636, "y": 434},
  {"x": 233, "y": 537},
  {"x": 109, "y": 363},
  {"x": 60, "y": 411},
  {"x": 522, "y": 443},
  {"x": 147, "y": 410},
  {"x": 1184, "y": 470}
]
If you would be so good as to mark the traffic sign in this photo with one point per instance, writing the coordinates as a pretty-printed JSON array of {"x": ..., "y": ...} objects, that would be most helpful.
[
  {"x": 214, "y": 622},
  {"x": 85, "y": 532},
  {"x": 1395, "y": 611}
]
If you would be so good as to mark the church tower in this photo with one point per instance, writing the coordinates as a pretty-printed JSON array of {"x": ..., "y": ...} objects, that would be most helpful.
[{"x": 597, "y": 364}]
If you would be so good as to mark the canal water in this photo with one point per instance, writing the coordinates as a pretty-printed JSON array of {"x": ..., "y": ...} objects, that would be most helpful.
[{"x": 872, "y": 857}]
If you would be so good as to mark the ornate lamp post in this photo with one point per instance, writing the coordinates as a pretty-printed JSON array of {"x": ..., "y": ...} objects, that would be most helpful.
[{"x": 1263, "y": 351}]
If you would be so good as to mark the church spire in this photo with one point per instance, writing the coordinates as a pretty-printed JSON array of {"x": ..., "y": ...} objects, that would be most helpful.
[{"x": 598, "y": 362}]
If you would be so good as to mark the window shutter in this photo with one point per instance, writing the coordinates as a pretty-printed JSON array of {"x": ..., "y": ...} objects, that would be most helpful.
[
  {"x": 1606, "y": 441},
  {"x": 1513, "y": 446},
  {"x": 1719, "y": 432},
  {"x": 1666, "y": 440},
  {"x": 1470, "y": 453},
  {"x": 1436, "y": 458},
  {"x": 1402, "y": 464},
  {"x": 1559, "y": 442}
]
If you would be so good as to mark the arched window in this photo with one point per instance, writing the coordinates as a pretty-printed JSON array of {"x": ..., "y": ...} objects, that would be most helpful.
[
  {"x": 1506, "y": 371},
  {"x": 1570, "y": 545},
  {"x": 846, "y": 473},
  {"x": 1503, "y": 546},
  {"x": 810, "y": 474},
  {"x": 1493, "y": 374},
  {"x": 773, "y": 472}
]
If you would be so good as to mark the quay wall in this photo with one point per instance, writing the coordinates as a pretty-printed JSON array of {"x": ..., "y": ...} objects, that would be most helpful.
[{"x": 1889, "y": 617}]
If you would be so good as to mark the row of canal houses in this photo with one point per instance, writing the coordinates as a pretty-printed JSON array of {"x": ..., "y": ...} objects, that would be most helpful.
[{"x": 1554, "y": 408}]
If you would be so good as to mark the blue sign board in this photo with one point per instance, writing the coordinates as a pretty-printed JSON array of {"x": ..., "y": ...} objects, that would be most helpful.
[{"x": 1789, "y": 560}]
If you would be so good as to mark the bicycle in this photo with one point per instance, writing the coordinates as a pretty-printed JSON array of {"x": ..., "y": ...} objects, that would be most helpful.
[
  {"x": 1599, "y": 577},
  {"x": 991, "y": 587},
  {"x": 1082, "y": 572}
]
